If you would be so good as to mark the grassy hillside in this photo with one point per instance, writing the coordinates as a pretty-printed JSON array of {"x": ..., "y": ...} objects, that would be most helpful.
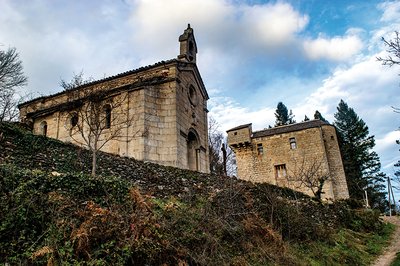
[{"x": 52, "y": 211}]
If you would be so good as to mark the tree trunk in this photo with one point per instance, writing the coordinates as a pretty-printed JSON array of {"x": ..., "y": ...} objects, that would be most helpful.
[
  {"x": 94, "y": 162},
  {"x": 223, "y": 149}
]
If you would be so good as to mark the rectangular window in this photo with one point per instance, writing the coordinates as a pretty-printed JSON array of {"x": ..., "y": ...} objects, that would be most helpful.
[
  {"x": 292, "y": 143},
  {"x": 260, "y": 149},
  {"x": 280, "y": 171},
  {"x": 107, "y": 110}
]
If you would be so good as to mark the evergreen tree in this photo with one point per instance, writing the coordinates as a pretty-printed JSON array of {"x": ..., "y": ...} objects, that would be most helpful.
[
  {"x": 377, "y": 192},
  {"x": 283, "y": 117},
  {"x": 361, "y": 164},
  {"x": 317, "y": 115}
]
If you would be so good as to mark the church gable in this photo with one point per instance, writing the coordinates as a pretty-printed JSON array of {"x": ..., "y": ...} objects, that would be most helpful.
[{"x": 153, "y": 98}]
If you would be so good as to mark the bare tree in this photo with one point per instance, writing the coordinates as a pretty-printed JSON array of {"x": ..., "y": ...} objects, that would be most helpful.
[
  {"x": 11, "y": 76},
  {"x": 222, "y": 158},
  {"x": 310, "y": 174},
  {"x": 393, "y": 48},
  {"x": 76, "y": 81},
  {"x": 215, "y": 139},
  {"x": 230, "y": 160},
  {"x": 8, "y": 110},
  {"x": 97, "y": 117}
]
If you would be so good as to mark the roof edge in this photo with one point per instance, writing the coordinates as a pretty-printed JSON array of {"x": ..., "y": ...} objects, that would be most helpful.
[
  {"x": 290, "y": 128},
  {"x": 137, "y": 70},
  {"x": 239, "y": 127}
]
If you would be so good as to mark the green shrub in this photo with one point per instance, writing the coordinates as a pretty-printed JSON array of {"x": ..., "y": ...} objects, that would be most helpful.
[{"x": 52, "y": 212}]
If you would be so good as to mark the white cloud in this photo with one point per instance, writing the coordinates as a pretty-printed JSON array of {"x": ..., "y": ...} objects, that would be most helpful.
[
  {"x": 230, "y": 113},
  {"x": 142, "y": 32},
  {"x": 390, "y": 22},
  {"x": 364, "y": 84},
  {"x": 271, "y": 24},
  {"x": 336, "y": 49},
  {"x": 391, "y": 11},
  {"x": 50, "y": 48},
  {"x": 388, "y": 150},
  {"x": 244, "y": 28},
  {"x": 370, "y": 89},
  {"x": 8, "y": 13},
  {"x": 156, "y": 25},
  {"x": 388, "y": 141}
]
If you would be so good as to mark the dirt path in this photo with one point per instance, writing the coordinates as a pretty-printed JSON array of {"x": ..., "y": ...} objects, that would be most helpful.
[{"x": 389, "y": 253}]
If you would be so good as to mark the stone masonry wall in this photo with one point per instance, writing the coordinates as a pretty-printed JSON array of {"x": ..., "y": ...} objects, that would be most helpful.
[
  {"x": 310, "y": 153},
  {"x": 128, "y": 144},
  {"x": 160, "y": 110},
  {"x": 240, "y": 135},
  {"x": 160, "y": 123},
  {"x": 191, "y": 116},
  {"x": 340, "y": 189}
]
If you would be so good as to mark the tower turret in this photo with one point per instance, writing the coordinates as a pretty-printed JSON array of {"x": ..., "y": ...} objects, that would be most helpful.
[{"x": 188, "y": 47}]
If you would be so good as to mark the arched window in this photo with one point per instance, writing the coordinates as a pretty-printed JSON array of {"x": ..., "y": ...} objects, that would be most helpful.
[
  {"x": 43, "y": 128},
  {"x": 107, "y": 112},
  {"x": 293, "y": 144},
  {"x": 193, "y": 151},
  {"x": 74, "y": 119}
]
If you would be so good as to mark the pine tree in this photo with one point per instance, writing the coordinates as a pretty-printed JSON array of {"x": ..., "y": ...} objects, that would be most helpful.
[
  {"x": 361, "y": 164},
  {"x": 317, "y": 115},
  {"x": 283, "y": 117}
]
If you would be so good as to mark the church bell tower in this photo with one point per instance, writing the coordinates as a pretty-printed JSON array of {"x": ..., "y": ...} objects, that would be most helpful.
[{"x": 188, "y": 47}]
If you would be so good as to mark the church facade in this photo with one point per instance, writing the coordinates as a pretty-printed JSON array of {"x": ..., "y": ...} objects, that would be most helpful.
[
  {"x": 298, "y": 156},
  {"x": 156, "y": 113}
]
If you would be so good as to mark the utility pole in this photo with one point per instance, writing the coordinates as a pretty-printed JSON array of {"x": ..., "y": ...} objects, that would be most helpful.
[
  {"x": 391, "y": 196},
  {"x": 366, "y": 198},
  {"x": 391, "y": 190}
]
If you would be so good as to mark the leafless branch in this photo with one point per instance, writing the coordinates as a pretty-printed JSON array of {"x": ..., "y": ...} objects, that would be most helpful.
[
  {"x": 100, "y": 118},
  {"x": 310, "y": 174},
  {"x": 11, "y": 76},
  {"x": 218, "y": 149},
  {"x": 394, "y": 49}
]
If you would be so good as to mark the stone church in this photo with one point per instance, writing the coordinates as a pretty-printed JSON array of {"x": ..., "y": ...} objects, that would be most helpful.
[
  {"x": 164, "y": 106},
  {"x": 294, "y": 156}
]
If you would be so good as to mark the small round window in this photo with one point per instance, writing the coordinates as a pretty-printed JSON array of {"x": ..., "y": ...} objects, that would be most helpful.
[{"x": 192, "y": 95}]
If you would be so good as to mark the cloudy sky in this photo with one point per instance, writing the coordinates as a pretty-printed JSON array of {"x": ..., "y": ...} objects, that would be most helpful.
[{"x": 252, "y": 54}]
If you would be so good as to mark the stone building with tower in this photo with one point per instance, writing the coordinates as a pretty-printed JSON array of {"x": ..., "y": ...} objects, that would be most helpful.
[
  {"x": 165, "y": 104},
  {"x": 297, "y": 156}
]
